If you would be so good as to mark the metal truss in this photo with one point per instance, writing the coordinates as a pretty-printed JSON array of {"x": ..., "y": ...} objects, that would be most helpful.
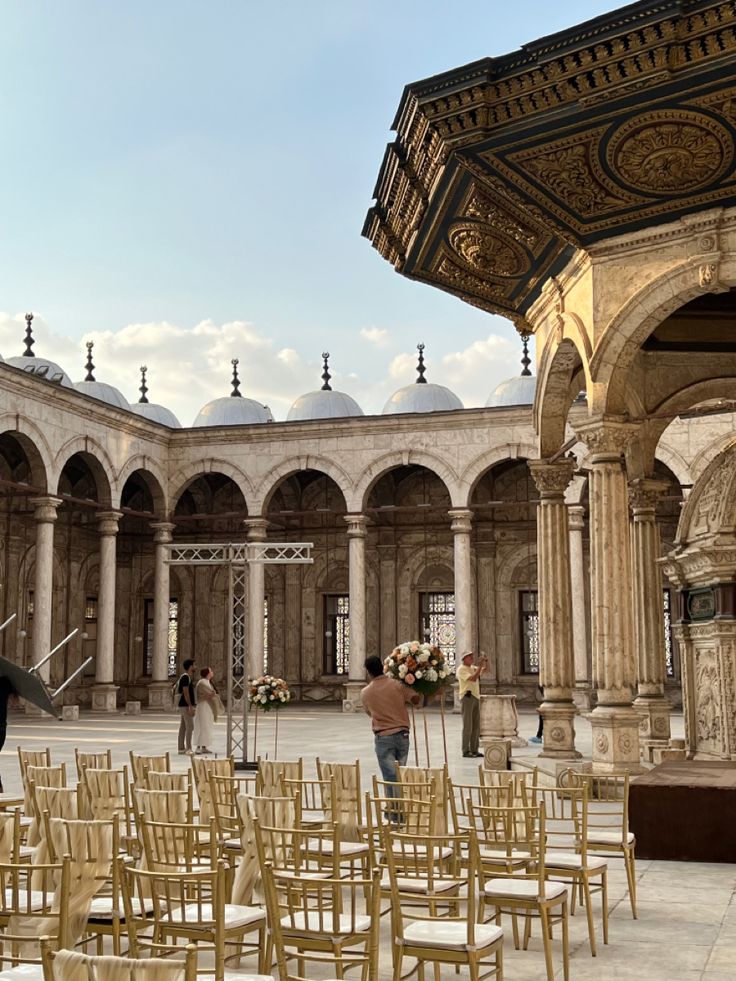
[{"x": 237, "y": 556}]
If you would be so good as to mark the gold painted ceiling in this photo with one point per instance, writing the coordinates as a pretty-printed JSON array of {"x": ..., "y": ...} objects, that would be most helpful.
[{"x": 500, "y": 168}]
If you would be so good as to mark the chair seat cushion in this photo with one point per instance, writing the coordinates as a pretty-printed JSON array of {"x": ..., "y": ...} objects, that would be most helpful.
[
  {"x": 313, "y": 817},
  {"x": 436, "y": 933},
  {"x": 421, "y": 886},
  {"x": 37, "y": 900},
  {"x": 499, "y": 855},
  {"x": 102, "y": 906},
  {"x": 609, "y": 837},
  {"x": 23, "y": 972},
  {"x": 563, "y": 860},
  {"x": 522, "y": 889},
  {"x": 233, "y": 843},
  {"x": 419, "y": 850},
  {"x": 235, "y": 916},
  {"x": 311, "y": 921},
  {"x": 347, "y": 848}
]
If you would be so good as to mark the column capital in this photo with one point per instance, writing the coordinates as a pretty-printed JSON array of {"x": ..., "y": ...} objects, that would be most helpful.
[
  {"x": 357, "y": 525},
  {"x": 576, "y": 517},
  {"x": 550, "y": 477},
  {"x": 462, "y": 519},
  {"x": 107, "y": 522},
  {"x": 256, "y": 529},
  {"x": 162, "y": 532},
  {"x": 644, "y": 492},
  {"x": 607, "y": 437},
  {"x": 45, "y": 507}
]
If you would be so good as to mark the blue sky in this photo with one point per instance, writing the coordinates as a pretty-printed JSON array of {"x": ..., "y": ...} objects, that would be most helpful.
[{"x": 177, "y": 163}]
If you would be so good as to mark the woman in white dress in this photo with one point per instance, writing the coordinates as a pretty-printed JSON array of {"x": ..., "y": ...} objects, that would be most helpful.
[{"x": 208, "y": 704}]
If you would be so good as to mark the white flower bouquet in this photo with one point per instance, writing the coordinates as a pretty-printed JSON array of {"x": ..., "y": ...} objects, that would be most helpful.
[
  {"x": 421, "y": 666},
  {"x": 268, "y": 693}
]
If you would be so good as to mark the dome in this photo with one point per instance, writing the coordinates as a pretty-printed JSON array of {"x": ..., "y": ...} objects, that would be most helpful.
[
  {"x": 323, "y": 404},
  {"x": 42, "y": 368},
  {"x": 513, "y": 391},
  {"x": 103, "y": 392},
  {"x": 422, "y": 398},
  {"x": 156, "y": 413},
  {"x": 233, "y": 411}
]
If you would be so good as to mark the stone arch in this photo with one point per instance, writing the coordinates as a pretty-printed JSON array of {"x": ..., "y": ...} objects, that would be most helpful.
[
  {"x": 702, "y": 459},
  {"x": 34, "y": 444},
  {"x": 96, "y": 458},
  {"x": 187, "y": 474},
  {"x": 389, "y": 461},
  {"x": 559, "y": 384},
  {"x": 154, "y": 477},
  {"x": 622, "y": 337},
  {"x": 277, "y": 474},
  {"x": 676, "y": 463},
  {"x": 711, "y": 507},
  {"x": 477, "y": 468}
]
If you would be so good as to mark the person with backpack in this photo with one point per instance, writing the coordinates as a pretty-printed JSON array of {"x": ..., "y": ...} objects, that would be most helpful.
[{"x": 187, "y": 701}]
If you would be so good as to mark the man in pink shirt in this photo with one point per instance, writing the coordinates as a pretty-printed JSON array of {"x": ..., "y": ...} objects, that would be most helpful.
[{"x": 385, "y": 700}]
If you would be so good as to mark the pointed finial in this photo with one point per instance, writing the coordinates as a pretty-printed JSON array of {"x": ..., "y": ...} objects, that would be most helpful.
[
  {"x": 28, "y": 353},
  {"x": 326, "y": 373},
  {"x": 421, "y": 380},
  {"x": 143, "y": 387},
  {"x": 89, "y": 377},
  {"x": 525, "y": 359},
  {"x": 236, "y": 380}
]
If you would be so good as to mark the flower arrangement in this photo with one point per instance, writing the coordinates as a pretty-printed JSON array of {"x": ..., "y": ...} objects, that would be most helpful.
[
  {"x": 423, "y": 666},
  {"x": 268, "y": 693}
]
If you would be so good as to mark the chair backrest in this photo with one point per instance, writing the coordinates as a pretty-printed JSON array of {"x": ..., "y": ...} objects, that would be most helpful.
[
  {"x": 61, "y": 802},
  {"x": 607, "y": 804},
  {"x": 357, "y": 900},
  {"x": 315, "y": 796},
  {"x": 275, "y": 812},
  {"x": 509, "y": 842},
  {"x": 175, "y": 847},
  {"x": 141, "y": 763},
  {"x": 271, "y": 773},
  {"x": 420, "y": 781},
  {"x": 202, "y": 767},
  {"x": 462, "y": 795},
  {"x": 224, "y": 793},
  {"x": 69, "y": 965},
  {"x": 172, "y": 806},
  {"x": 34, "y": 902},
  {"x": 9, "y": 835},
  {"x": 106, "y": 792},
  {"x": 92, "y": 761},
  {"x": 193, "y": 899},
  {"x": 301, "y": 851},
  {"x": 32, "y": 757},
  {"x": 347, "y": 796},
  {"x": 159, "y": 780},
  {"x": 46, "y": 776}
]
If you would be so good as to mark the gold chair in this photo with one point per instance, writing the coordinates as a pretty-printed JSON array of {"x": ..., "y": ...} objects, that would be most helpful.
[
  {"x": 140, "y": 764},
  {"x": 274, "y": 812},
  {"x": 316, "y": 797},
  {"x": 69, "y": 965},
  {"x": 92, "y": 761},
  {"x": 347, "y": 797},
  {"x": 33, "y": 757},
  {"x": 173, "y": 806},
  {"x": 419, "y": 781},
  {"x": 191, "y": 906},
  {"x": 437, "y": 935},
  {"x": 462, "y": 795},
  {"x": 522, "y": 887},
  {"x": 299, "y": 851},
  {"x": 270, "y": 773},
  {"x": 38, "y": 776},
  {"x": 224, "y": 793},
  {"x": 34, "y": 902},
  {"x": 202, "y": 767},
  {"x": 159, "y": 780},
  {"x": 178, "y": 847},
  {"x": 10, "y": 846}
]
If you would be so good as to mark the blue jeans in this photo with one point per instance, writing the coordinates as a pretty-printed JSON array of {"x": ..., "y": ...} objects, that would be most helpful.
[{"x": 391, "y": 750}]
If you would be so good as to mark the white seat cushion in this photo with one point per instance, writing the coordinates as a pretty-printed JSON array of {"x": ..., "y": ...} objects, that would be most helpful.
[
  {"x": 420, "y": 850},
  {"x": 311, "y": 921},
  {"x": 609, "y": 837},
  {"x": 522, "y": 889},
  {"x": 437, "y": 933},
  {"x": 37, "y": 900},
  {"x": 499, "y": 854},
  {"x": 235, "y": 916},
  {"x": 562, "y": 860},
  {"x": 25, "y": 822},
  {"x": 347, "y": 848},
  {"x": 23, "y": 972},
  {"x": 232, "y": 843},
  {"x": 102, "y": 906},
  {"x": 313, "y": 817},
  {"x": 406, "y": 884}
]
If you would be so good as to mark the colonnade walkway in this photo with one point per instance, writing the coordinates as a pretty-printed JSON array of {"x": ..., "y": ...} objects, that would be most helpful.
[{"x": 686, "y": 929}]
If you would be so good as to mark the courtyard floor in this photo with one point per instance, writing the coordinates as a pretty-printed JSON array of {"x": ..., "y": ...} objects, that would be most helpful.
[{"x": 686, "y": 929}]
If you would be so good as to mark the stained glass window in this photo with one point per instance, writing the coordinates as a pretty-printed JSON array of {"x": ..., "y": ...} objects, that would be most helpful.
[
  {"x": 336, "y": 648},
  {"x": 90, "y": 629},
  {"x": 437, "y": 622},
  {"x": 265, "y": 635},
  {"x": 173, "y": 638},
  {"x": 529, "y": 614},
  {"x": 669, "y": 652}
]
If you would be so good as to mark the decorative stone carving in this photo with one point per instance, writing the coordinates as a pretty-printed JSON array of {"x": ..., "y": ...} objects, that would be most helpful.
[
  {"x": 487, "y": 250},
  {"x": 607, "y": 437},
  {"x": 708, "y": 274}
]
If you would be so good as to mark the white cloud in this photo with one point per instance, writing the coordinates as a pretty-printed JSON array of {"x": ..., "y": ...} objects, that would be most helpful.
[
  {"x": 375, "y": 335},
  {"x": 401, "y": 368}
]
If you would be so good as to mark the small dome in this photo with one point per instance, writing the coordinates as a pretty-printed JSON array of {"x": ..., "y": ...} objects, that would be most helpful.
[
  {"x": 42, "y": 368},
  {"x": 422, "y": 398},
  {"x": 103, "y": 392},
  {"x": 233, "y": 411},
  {"x": 513, "y": 391},
  {"x": 323, "y": 405},
  {"x": 156, "y": 413}
]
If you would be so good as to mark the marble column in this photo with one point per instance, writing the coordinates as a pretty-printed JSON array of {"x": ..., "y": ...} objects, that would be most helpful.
[
  {"x": 159, "y": 690},
  {"x": 45, "y": 515},
  {"x": 614, "y": 721},
  {"x": 460, "y": 527},
  {"x": 357, "y": 530},
  {"x": 104, "y": 691},
  {"x": 556, "y": 673},
  {"x": 651, "y": 703},
  {"x": 256, "y": 597},
  {"x": 576, "y": 523}
]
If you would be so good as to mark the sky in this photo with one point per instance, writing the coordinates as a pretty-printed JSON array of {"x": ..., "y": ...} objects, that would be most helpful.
[{"x": 185, "y": 182}]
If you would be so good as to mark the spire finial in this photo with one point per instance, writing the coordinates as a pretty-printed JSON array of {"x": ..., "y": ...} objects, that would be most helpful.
[
  {"x": 421, "y": 380},
  {"x": 89, "y": 377},
  {"x": 28, "y": 353},
  {"x": 525, "y": 359},
  {"x": 143, "y": 388},
  {"x": 326, "y": 372},
  {"x": 236, "y": 381}
]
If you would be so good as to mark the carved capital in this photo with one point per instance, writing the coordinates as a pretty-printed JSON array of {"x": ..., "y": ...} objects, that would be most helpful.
[
  {"x": 108, "y": 522},
  {"x": 357, "y": 525},
  {"x": 256, "y": 529},
  {"x": 551, "y": 478},
  {"x": 45, "y": 508},
  {"x": 162, "y": 532},
  {"x": 644, "y": 492},
  {"x": 461, "y": 521},
  {"x": 606, "y": 438}
]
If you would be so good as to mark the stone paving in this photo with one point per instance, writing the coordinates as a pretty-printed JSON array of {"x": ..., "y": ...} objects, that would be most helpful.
[{"x": 686, "y": 929}]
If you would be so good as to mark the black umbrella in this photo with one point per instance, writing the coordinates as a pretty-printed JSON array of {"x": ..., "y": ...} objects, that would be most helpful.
[{"x": 28, "y": 685}]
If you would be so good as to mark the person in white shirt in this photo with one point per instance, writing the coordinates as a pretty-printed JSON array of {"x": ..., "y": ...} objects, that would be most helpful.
[{"x": 468, "y": 676}]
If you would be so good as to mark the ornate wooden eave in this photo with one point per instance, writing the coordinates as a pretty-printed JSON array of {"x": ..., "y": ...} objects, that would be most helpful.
[{"x": 501, "y": 168}]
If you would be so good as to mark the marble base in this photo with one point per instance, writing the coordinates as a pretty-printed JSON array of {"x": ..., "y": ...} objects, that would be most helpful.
[
  {"x": 499, "y": 719},
  {"x": 104, "y": 698},
  {"x": 496, "y": 753},
  {"x": 615, "y": 739},
  {"x": 582, "y": 699},
  {"x": 654, "y": 718},
  {"x": 159, "y": 696},
  {"x": 559, "y": 731},
  {"x": 351, "y": 702}
]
